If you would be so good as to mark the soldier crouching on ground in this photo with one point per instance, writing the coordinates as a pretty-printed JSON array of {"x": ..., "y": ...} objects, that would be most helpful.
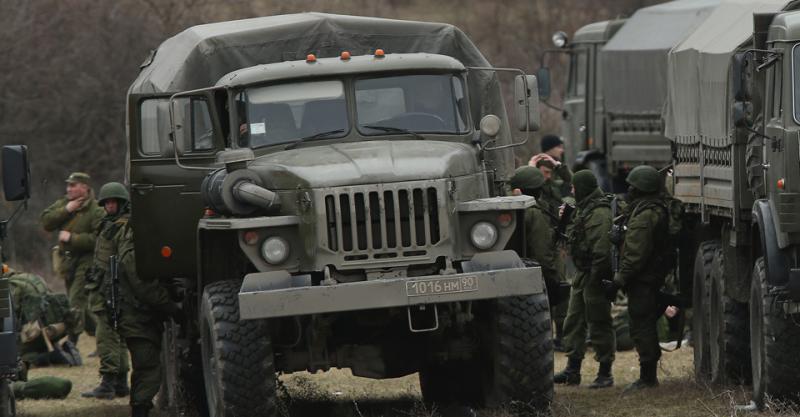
[
  {"x": 138, "y": 308},
  {"x": 112, "y": 351},
  {"x": 76, "y": 217},
  {"x": 44, "y": 318},
  {"x": 590, "y": 248},
  {"x": 539, "y": 230},
  {"x": 643, "y": 268}
]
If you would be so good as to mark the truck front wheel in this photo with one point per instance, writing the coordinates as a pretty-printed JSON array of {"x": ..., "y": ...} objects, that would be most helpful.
[
  {"x": 7, "y": 405},
  {"x": 701, "y": 295},
  {"x": 774, "y": 337},
  {"x": 238, "y": 365}
]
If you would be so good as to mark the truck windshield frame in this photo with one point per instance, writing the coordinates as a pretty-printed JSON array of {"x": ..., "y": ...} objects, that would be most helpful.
[
  {"x": 420, "y": 103},
  {"x": 283, "y": 113}
]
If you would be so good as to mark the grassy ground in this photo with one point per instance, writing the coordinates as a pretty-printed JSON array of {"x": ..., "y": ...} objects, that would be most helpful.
[{"x": 338, "y": 394}]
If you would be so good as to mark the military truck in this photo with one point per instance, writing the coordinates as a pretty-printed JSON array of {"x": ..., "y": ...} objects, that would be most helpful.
[
  {"x": 616, "y": 87},
  {"x": 729, "y": 111},
  {"x": 16, "y": 183},
  {"x": 329, "y": 191}
]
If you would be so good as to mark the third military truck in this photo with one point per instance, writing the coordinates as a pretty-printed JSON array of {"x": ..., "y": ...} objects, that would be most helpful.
[
  {"x": 710, "y": 87},
  {"x": 329, "y": 191}
]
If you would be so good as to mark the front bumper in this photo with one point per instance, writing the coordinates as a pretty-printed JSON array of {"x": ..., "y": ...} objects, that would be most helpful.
[{"x": 257, "y": 303}]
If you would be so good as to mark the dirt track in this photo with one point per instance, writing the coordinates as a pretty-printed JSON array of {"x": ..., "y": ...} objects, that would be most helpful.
[{"x": 339, "y": 394}]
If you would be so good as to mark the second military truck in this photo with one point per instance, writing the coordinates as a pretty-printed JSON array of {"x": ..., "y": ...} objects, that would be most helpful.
[{"x": 328, "y": 191}]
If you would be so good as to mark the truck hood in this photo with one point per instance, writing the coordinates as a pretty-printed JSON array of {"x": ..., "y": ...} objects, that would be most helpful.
[{"x": 368, "y": 162}]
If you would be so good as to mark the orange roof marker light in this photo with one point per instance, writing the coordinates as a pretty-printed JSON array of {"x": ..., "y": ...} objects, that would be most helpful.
[
  {"x": 781, "y": 184},
  {"x": 345, "y": 56},
  {"x": 379, "y": 53},
  {"x": 311, "y": 58},
  {"x": 166, "y": 252}
]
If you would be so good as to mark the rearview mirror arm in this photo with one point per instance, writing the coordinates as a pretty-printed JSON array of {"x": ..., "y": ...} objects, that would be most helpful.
[{"x": 527, "y": 106}]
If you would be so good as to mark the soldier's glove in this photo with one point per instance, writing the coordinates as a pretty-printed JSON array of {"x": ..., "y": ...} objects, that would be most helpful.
[{"x": 610, "y": 289}]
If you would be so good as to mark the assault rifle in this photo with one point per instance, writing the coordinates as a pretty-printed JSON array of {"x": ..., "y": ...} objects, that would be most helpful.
[
  {"x": 112, "y": 301},
  {"x": 617, "y": 233}
]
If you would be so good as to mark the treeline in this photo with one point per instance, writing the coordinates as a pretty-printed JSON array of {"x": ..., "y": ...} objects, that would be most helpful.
[{"x": 65, "y": 66}]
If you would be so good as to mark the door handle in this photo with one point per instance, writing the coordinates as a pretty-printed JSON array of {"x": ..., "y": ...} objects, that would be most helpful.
[{"x": 143, "y": 189}]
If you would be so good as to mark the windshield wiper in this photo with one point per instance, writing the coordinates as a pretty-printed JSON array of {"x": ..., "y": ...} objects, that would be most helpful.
[
  {"x": 312, "y": 137},
  {"x": 391, "y": 129}
]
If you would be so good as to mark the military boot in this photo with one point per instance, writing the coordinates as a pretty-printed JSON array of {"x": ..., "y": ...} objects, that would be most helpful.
[
  {"x": 647, "y": 377},
  {"x": 140, "y": 410},
  {"x": 604, "y": 378},
  {"x": 121, "y": 388},
  {"x": 104, "y": 391},
  {"x": 571, "y": 375}
]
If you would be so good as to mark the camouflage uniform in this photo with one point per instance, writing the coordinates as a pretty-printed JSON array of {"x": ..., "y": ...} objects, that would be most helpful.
[
  {"x": 144, "y": 305},
  {"x": 77, "y": 253},
  {"x": 590, "y": 248},
  {"x": 641, "y": 273},
  {"x": 110, "y": 347},
  {"x": 35, "y": 308}
]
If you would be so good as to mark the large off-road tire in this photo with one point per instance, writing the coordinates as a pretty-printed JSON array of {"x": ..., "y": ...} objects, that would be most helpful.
[
  {"x": 729, "y": 331},
  {"x": 238, "y": 364},
  {"x": 701, "y": 289},
  {"x": 773, "y": 344},
  {"x": 8, "y": 407}
]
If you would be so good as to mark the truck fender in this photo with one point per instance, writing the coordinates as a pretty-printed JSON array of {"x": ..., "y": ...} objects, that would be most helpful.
[
  {"x": 776, "y": 263},
  {"x": 490, "y": 261}
]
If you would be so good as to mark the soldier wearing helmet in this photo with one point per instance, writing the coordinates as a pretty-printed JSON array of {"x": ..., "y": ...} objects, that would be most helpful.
[
  {"x": 640, "y": 273},
  {"x": 110, "y": 347},
  {"x": 539, "y": 229},
  {"x": 76, "y": 217},
  {"x": 143, "y": 305}
]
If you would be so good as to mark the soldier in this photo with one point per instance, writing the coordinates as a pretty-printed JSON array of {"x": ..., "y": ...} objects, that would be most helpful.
[
  {"x": 643, "y": 269},
  {"x": 110, "y": 348},
  {"x": 539, "y": 230},
  {"x": 590, "y": 248},
  {"x": 76, "y": 217},
  {"x": 45, "y": 318},
  {"x": 143, "y": 306},
  {"x": 553, "y": 149}
]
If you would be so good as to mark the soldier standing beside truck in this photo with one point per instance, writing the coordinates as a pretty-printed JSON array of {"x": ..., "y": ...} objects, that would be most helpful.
[
  {"x": 642, "y": 269},
  {"x": 590, "y": 248},
  {"x": 76, "y": 217},
  {"x": 110, "y": 347}
]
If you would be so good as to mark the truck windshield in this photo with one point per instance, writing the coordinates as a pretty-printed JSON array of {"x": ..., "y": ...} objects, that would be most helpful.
[
  {"x": 286, "y": 112},
  {"x": 417, "y": 103}
]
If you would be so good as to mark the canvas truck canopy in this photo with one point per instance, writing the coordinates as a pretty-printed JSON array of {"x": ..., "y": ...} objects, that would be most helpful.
[
  {"x": 199, "y": 56},
  {"x": 634, "y": 60},
  {"x": 698, "y": 101}
]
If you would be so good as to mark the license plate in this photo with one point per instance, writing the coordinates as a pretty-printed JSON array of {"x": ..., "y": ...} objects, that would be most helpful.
[{"x": 441, "y": 286}]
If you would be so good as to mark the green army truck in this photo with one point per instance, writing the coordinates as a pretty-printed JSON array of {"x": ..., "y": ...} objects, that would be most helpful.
[
  {"x": 16, "y": 183},
  {"x": 729, "y": 108},
  {"x": 329, "y": 191}
]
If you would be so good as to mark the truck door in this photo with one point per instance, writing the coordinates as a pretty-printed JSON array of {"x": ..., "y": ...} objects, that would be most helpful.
[
  {"x": 165, "y": 198},
  {"x": 575, "y": 124}
]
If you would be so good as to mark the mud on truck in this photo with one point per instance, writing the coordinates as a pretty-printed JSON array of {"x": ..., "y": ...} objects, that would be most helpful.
[
  {"x": 328, "y": 191},
  {"x": 724, "y": 79},
  {"x": 16, "y": 183}
]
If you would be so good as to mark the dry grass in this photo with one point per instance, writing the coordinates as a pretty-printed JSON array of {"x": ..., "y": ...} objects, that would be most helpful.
[{"x": 339, "y": 394}]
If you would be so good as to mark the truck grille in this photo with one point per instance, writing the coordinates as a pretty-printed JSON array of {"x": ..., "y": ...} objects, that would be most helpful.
[{"x": 400, "y": 219}]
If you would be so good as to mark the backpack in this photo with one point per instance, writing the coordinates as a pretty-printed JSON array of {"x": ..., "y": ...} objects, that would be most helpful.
[{"x": 667, "y": 250}]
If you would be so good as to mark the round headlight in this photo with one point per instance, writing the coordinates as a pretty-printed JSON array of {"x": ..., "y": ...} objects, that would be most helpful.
[
  {"x": 483, "y": 235},
  {"x": 560, "y": 39},
  {"x": 275, "y": 250}
]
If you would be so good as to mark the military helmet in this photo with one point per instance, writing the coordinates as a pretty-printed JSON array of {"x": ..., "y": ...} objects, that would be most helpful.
[
  {"x": 645, "y": 178},
  {"x": 113, "y": 190},
  {"x": 527, "y": 177}
]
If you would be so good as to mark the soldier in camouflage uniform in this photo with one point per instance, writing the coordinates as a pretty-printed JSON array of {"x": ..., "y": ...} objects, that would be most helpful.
[
  {"x": 539, "y": 229},
  {"x": 590, "y": 248},
  {"x": 110, "y": 348},
  {"x": 144, "y": 305},
  {"x": 44, "y": 318},
  {"x": 76, "y": 217},
  {"x": 642, "y": 269}
]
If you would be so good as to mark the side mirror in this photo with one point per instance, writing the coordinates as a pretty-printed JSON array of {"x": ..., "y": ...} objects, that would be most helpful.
[
  {"x": 490, "y": 126},
  {"x": 193, "y": 124},
  {"x": 741, "y": 71},
  {"x": 543, "y": 76},
  {"x": 526, "y": 100},
  {"x": 16, "y": 172}
]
